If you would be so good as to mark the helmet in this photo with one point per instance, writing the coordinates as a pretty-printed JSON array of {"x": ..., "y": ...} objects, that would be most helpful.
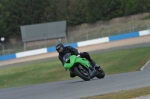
[{"x": 60, "y": 48}]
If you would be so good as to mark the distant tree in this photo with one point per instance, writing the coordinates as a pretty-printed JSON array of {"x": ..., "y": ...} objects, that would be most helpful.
[
  {"x": 20, "y": 12},
  {"x": 15, "y": 13}
]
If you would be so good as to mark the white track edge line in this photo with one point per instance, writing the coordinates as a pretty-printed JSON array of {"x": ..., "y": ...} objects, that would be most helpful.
[{"x": 145, "y": 65}]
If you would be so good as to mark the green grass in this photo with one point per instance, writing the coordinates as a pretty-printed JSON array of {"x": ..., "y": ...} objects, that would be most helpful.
[
  {"x": 32, "y": 74},
  {"x": 123, "y": 60},
  {"x": 126, "y": 94},
  {"x": 50, "y": 71}
]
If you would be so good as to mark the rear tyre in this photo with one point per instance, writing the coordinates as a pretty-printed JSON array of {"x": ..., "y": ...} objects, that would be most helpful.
[
  {"x": 100, "y": 73},
  {"x": 82, "y": 72}
]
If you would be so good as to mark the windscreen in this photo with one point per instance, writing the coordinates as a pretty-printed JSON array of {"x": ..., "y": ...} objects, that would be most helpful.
[{"x": 66, "y": 57}]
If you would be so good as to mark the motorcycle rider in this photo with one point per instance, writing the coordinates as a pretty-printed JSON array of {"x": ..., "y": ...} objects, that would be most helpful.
[{"x": 62, "y": 50}]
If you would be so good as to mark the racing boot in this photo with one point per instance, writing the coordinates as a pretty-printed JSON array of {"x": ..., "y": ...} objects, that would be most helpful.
[{"x": 72, "y": 75}]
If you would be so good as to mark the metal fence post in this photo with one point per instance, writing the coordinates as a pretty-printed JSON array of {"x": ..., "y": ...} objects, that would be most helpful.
[
  {"x": 130, "y": 27},
  {"x": 72, "y": 39},
  {"x": 45, "y": 40},
  {"x": 108, "y": 29},
  {"x": 56, "y": 42},
  {"x": 87, "y": 36},
  {"x": 102, "y": 34},
  {"x": 118, "y": 32},
  {"x": 24, "y": 46},
  {"x": 148, "y": 27},
  {"x": 133, "y": 29},
  {"x": 45, "y": 43},
  {"x": 66, "y": 40},
  {"x": 3, "y": 39}
]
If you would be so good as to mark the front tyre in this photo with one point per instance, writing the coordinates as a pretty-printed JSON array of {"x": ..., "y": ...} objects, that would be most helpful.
[{"x": 82, "y": 72}]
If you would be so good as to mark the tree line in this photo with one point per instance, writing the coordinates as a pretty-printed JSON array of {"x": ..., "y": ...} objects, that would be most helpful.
[{"x": 14, "y": 13}]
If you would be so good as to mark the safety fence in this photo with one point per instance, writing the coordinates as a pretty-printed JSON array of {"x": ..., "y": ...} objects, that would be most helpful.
[
  {"x": 77, "y": 44},
  {"x": 85, "y": 32}
]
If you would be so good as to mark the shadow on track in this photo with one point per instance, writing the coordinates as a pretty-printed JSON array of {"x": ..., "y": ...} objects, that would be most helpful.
[{"x": 79, "y": 81}]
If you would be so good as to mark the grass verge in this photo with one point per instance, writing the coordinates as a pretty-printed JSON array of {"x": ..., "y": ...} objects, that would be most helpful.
[
  {"x": 125, "y": 94},
  {"x": 50, "y": 71}
]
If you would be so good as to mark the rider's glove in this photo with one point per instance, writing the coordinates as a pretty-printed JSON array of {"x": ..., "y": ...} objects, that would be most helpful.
[{"x": 78, "y": 55}]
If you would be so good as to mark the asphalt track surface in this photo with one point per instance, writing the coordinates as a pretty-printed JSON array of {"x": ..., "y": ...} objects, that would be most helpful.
[
  {"x": 77, "y": 88},
  {"x": 147, "y": 66}
]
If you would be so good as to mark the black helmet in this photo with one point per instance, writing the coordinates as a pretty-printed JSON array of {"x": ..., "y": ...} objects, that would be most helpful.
[{"x": 60, "y": 48}]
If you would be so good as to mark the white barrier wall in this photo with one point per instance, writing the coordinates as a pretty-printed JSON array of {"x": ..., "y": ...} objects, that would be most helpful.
[
  {"x": 76, "y": 44},
  {"x": 32, "y": 52},
  {"x": 144, "y": 32},
  {"x": 91, "y": 42}
]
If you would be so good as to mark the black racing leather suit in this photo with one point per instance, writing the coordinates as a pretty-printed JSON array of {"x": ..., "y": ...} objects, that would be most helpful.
[{"x": 73, "y": 51}]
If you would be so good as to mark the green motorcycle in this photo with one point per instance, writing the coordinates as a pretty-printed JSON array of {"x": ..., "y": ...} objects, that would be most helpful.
[{"x": 81, "y": 67}]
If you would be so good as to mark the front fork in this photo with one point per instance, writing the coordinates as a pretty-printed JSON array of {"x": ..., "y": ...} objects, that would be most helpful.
[{"x": 92, "y": 72}]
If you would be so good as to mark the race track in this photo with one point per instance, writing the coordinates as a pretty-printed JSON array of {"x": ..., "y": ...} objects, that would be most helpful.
[{"x": 77, "y": 88}]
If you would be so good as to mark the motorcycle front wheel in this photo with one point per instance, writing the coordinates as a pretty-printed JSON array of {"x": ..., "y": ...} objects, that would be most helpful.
[{"x": 82, "y": 72}]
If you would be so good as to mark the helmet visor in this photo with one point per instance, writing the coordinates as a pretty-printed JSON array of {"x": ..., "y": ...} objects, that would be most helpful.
[{"x": 60, "y": 49}]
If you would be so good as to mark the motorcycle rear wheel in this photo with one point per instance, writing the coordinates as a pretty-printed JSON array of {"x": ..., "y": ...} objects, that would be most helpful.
[{"x": 100, "y": 74}]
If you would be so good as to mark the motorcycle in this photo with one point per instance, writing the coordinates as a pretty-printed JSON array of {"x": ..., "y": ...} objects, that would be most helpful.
[{"x": 81, "y": 67}]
